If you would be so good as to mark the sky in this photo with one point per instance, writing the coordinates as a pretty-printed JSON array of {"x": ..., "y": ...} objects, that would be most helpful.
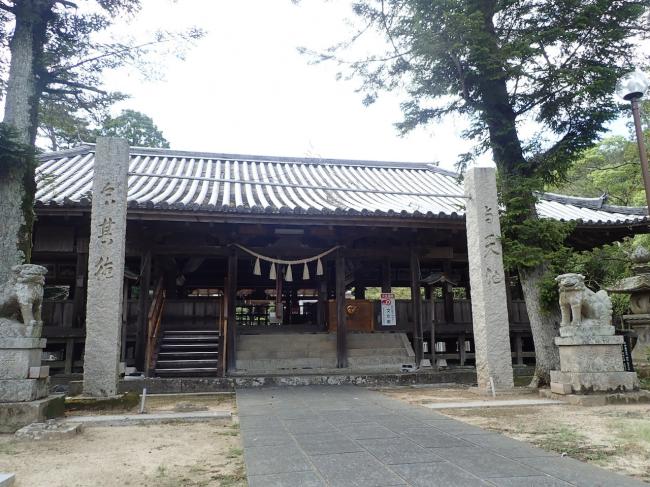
[{"x": 245, "y": 89}]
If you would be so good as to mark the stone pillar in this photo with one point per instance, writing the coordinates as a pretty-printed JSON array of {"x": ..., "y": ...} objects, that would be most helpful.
[
  {"x": 488, "y": 291},
  {"x": 106, "y": 267}
]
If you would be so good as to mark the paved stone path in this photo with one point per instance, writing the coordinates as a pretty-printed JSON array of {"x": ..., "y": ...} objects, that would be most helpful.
[{"x": 351, "y": 436}]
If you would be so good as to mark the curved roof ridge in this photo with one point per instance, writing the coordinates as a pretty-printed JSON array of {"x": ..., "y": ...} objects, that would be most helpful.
[{"x": 150, "y": 151}]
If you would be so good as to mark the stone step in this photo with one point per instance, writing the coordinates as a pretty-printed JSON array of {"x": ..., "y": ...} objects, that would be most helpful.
[
  {"x": 187, "y": 363},
  {"x": 191, "y": 332},
  {"x": 188, "y": 346},
  {"x": 187, "y": 372},
  {"x": 189, "y": 355},
  {"x": 280, "y": 364},
  {"x": 191, "y": 338}
]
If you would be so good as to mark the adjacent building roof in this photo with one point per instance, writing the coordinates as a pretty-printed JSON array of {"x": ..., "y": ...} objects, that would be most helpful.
[{"x": 170, "y": 180}]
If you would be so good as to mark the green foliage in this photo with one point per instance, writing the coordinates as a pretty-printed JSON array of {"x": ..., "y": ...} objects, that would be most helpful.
[
  {"x": 136, "y": 127},
  {"x": 63, "y": 129},
  {"x": 601, "y": 267},
  {"x": 552, "y": 64},
  {"x": 611, "y": 167},
  {"x": 14, "y": 154}
]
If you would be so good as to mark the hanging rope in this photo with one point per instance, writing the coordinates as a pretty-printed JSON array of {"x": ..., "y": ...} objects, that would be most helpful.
[{"x": 289, "y": 274}]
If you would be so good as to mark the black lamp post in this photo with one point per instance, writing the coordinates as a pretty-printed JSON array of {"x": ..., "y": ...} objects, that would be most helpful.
[{"x": 632, "y": 88}]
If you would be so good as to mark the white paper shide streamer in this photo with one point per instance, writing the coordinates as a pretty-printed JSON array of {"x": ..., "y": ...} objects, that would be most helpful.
[{"x": 288, "y": 275}]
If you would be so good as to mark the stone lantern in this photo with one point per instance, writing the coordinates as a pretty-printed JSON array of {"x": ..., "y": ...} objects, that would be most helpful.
[{"x": 638, "y": 287}]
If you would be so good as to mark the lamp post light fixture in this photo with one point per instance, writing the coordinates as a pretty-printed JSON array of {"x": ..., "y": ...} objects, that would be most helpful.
[{"x": 632, "y": 87}]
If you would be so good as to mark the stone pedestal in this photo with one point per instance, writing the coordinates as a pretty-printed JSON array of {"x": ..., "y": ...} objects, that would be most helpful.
[
  {"x": 591, "y": 363},
  {"x": 23, "y": 381},
  {"x": 20, "y": 350},
  {"x": 640, "y": 324}
]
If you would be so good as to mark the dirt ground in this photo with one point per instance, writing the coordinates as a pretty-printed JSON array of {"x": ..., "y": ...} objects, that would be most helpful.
[
  {"x": 615, "y": 437},
  {"x": 164, "y": 455}
]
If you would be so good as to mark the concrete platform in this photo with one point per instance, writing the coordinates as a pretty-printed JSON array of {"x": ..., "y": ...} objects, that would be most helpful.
[{"x": 344, "y": 376}]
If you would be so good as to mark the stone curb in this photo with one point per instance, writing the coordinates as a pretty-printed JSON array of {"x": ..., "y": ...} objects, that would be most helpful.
[
  {"x": 160, "y": 418},
  {"x": 493, "y": 404}
]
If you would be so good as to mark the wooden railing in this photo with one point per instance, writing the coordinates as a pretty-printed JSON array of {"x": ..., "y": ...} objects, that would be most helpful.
[{"x": 153, "y": 324}]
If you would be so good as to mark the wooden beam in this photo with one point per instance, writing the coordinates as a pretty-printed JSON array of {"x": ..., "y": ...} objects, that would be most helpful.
[
  {"x": 231, "y": 295},
  {"x": 341, "y": 324},
  {"x": 416, "y": 301},
  {"x": 143, "y": 309}
]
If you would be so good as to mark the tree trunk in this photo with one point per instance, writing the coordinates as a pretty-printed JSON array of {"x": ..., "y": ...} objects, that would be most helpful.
[
  {"x": 513, "y": 167},
  {"x": 543, "y": 325},
  {"x": 17, "y": 185}
]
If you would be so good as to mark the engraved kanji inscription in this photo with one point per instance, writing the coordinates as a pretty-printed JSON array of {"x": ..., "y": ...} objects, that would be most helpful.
[{"x": 104, "y": 268}]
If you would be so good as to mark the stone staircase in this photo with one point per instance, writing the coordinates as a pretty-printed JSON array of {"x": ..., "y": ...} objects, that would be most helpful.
[
  {"x": 188, "y": 353},
  {"x": 316, "y": 352}
]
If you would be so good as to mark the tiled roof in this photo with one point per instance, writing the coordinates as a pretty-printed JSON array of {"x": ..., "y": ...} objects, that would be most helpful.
[{"x": 228, "y": 183}]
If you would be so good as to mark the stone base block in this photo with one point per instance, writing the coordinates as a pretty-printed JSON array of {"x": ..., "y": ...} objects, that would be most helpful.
[
  {"x": 22, "y": 342},
  {"x": 558, "y": 388},
  {"x": 14, "y": 329},
  {"x": 586, "y": 330},
  {"x": 7, "y": 479},
  {"x": 599, "y": 354},
  {"x": 49, "y": 430},
  {"x": 586, "y": 382},
  {"x": 641, "y": 351},
  {"x": 40, "y": 372},
  {"x": 16, "y": 362},
  {"x": 15, "y": 415},
  {"x": 599, "y": 399},
  {"x": 21, "y": 390}
]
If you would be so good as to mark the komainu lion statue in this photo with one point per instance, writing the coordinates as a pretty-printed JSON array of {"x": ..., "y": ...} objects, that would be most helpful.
[
  {"x": 22, "y": 295},
  {"x": 580, "y": 305}
]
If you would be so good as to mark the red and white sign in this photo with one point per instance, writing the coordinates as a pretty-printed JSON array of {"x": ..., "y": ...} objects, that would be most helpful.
[{"x": 388, "y": 316}]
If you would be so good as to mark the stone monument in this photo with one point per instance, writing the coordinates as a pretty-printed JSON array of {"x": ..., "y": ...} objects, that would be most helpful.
[
  {"x": 106, "y": 268},
  {"x": 638, "y": 287},
  {"x": 591, "y": 358},
  {"x": 488, "y": 289},
  {"x": 23, "y": 381}
]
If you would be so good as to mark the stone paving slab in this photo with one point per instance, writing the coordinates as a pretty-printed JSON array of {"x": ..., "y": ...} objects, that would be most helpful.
[{"x": 350, "y": 436}]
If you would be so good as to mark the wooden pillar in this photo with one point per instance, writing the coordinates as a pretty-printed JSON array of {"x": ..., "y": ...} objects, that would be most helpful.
[
  {"x": 321, "y": 306},
  {"x": 143, "y": 309},
  {"x": 341, "y": 324},
  {"x": 231, "y": 296},
  {"x": 448, "y": 295},
  {"x": 385, "y": 277},
  {"x": 461, "y": 348},
  {"x": 416, "y": 301},
  {"x": 431, "y": 295},
  {"x": 519, "y": 348},
  {"x": 78, "y": 311},
  {"x": 359, "y": 292},
  {"x": 125, "y": 319}
]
